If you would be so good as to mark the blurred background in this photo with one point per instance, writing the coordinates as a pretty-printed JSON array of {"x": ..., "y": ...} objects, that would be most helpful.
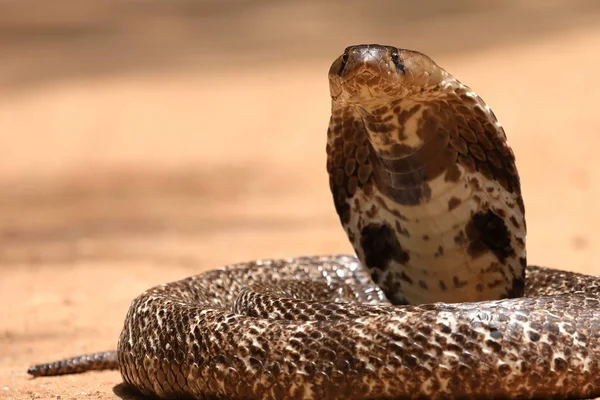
[{"x": 145, "y": 141}]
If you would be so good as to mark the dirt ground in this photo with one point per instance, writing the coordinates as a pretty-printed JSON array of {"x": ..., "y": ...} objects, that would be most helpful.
[{"x": 115, "y": 177}]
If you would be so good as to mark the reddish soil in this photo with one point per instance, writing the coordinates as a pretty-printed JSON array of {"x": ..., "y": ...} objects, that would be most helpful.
[{"x": 116, "y": 180}]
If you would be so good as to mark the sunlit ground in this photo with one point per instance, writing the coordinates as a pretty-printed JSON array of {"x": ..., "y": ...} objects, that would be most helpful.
[{"x": 143, "y": 142}]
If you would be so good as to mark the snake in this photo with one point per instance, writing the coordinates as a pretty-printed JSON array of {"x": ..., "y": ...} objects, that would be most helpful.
[{"x": 438, "y": 301}]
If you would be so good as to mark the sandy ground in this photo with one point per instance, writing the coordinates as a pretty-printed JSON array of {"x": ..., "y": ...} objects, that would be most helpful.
[{"x": 111, "y": 183}]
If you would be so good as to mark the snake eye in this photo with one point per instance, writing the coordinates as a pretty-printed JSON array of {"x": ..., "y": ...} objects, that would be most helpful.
[
  {"x": 343, "y": 63},
  {"x": 395, "y": 57}
]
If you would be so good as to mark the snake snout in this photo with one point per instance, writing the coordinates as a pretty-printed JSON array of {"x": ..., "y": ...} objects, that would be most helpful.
[
  {"x": 363, "y": 72},
  {"x": 362, "y": 58}
]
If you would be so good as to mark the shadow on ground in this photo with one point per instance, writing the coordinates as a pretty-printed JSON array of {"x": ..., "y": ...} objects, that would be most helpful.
[{"x": 126, "y": 392}]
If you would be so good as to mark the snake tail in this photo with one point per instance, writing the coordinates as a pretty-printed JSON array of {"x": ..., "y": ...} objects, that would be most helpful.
[{"x": 102, "y": 361}]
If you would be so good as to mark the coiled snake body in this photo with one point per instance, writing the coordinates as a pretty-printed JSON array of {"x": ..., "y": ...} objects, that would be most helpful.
[{"x": 435, "y": 306}]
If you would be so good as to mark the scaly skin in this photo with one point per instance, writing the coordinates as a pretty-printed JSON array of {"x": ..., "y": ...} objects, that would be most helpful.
[
  {"x": 423, "y": 180},
  {"x": 425, "y": 186}
]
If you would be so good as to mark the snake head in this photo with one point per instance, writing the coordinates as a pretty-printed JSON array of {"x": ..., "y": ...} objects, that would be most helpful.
[{"x": 370, "y": 73}]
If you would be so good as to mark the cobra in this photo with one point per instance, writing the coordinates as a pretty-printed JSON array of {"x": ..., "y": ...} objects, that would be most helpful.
[{"x": 439, "y": 301}]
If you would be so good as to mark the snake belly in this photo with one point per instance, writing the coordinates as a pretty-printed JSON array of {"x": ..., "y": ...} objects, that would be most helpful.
[{"x": 434, "y": 306}]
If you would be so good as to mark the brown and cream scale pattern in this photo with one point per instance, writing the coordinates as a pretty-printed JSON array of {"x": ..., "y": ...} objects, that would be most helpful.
[
  {"x": 425, "y": 185},
  {"x": 428, "y": 194},
  {"x": 184, "y": 339}
]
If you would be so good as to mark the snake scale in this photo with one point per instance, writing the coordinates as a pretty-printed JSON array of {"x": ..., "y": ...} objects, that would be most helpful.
[{"x": 435, "y": 304}]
